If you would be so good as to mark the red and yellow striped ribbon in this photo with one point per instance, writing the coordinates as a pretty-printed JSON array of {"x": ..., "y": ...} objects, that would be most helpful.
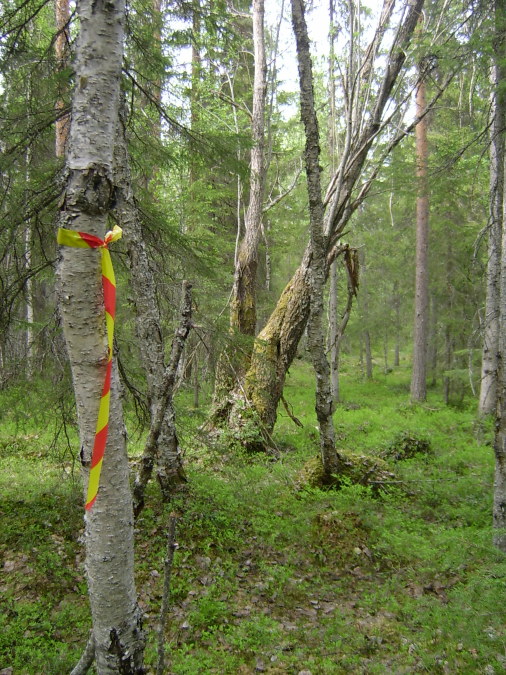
[{"x": 82, "y": 240}]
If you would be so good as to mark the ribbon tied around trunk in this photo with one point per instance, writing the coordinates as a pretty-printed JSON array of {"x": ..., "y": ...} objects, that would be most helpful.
[{"x": 83, "y": 240}]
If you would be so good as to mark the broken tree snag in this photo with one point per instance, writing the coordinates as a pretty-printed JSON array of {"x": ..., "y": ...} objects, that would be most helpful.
[{"x": 164, "y": 404}]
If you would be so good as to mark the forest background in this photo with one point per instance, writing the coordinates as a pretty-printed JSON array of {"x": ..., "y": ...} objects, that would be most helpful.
[{"x": 185, "y": 181}]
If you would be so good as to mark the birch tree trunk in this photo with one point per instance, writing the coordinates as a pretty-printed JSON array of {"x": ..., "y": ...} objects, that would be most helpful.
[
  {"x": 420, "y": 335},
  {"x": 324, "y": 403},
  {"x": 489, "y": 363},
  {"x": 87, "y": 200}
]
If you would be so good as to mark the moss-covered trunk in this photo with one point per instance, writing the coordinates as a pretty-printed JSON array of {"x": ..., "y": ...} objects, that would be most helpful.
[{"x": 276, "y": 346}]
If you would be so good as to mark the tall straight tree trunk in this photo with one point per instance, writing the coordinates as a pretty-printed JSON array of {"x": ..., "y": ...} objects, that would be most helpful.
[
  {"x": 243, "y": 315},
  {"x": 499, "y": 509},
  {"x": 364, "y": 316},
  {"x": 397, "y": 314},
  {"x": 117, "y": 633},
  {"x": 333, "y": 286},
  {"x": 324, "y": 403},
  {"x": 420, "y": 335},
  {"x": 62, "y": 14},
  {"x": 234, "y": 360},
  {"x": 29, "y": 315},
  {"x": 489, "y": 364},
  {"x": 333, "y": 334}
]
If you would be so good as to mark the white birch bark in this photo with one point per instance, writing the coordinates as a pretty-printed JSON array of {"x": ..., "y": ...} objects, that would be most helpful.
[
  {"x": 489, "y": 363},
  {"x": 109, "y": 524}
]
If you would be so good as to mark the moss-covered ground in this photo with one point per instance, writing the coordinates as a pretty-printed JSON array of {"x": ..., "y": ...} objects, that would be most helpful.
[{"x": 272, "y": 575}]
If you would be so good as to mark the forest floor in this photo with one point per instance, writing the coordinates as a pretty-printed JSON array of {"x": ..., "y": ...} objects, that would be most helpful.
[{"x": 270, "y": 574}]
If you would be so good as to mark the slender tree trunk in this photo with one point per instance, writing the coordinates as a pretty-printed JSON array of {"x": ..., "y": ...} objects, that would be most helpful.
[
  {"x": 333, "y": 336},
  {"x": 397, "y": 311},
  {"x": 499, "y": 509},
  {"x": 234, "y": 360},
  {"x": 385, "y": 351},
  {"x": 333, "y": 286},
  {"x": 420, "y": 336},
  {"x": 167, "y": 456},
  {"x": 29, "y": 316},
  {"x": 449, "y": 340},
  {"x": 88, "y": 197},
  {"x": 318, "y": 271},
  {"x": 489, "y": 364},
  {"x": 243, "y": 317},
  {"x": 364, "y": 318},
  {"x": 62, "y": 42},
  {"x": 368, "y": 355}
]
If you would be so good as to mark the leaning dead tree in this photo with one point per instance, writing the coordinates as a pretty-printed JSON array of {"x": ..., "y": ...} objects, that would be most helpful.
[
  {"x": 164, "y": 454},
  {"x": 163, "y": 415},
  {"x": 371, "y": 112}
]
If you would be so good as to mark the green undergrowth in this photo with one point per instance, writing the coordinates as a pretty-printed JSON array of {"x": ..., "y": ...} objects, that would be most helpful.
[{"x": 271, "y": 575}]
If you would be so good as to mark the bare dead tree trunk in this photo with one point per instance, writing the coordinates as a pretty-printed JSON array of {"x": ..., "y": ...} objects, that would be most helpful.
[
  {"x": 420, "y": 335},
  {"x": 117, "y": 633},
  {"x": 166, "y": 454},
  {"x": 333, "y": 338},
  {"x": 163, "y": 417},
  {"x": 333, "y": 285},
  {"x": 351, "y": 264}
]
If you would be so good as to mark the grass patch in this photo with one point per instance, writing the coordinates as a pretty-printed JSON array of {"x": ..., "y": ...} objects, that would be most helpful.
[{"x": 268, "y": 577}]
